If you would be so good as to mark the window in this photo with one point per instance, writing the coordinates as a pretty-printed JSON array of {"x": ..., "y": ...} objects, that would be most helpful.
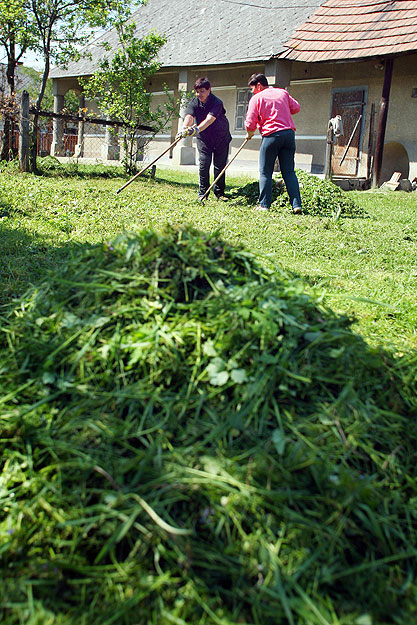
[{"x": 242, "y": 100}]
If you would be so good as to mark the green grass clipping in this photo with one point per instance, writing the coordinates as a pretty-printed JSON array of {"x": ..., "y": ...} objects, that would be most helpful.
[{"x": 189, "y": 438}]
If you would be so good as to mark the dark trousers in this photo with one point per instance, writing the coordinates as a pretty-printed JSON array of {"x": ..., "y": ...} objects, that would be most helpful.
[
  {"x": 281, "y": 144},
  {"x": 219, "y": 156}
]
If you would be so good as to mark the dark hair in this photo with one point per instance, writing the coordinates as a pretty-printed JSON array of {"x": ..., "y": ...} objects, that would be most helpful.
[
  {"x": 255, "y": 78},
  {"x": 202, "y": 83}
]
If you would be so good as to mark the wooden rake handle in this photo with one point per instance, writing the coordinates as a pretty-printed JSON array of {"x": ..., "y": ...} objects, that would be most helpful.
[
  {"x": 150, "y": 165},
  {"x": 223, "y": 170}
]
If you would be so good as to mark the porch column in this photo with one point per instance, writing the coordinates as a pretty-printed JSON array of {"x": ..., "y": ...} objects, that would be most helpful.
[
  {"x": 187, "y": 152},
  {"x": 110, "y": 151},
  {"x": 278, "y": 73},
  {"x": 382, "y": 124},
  {"x": 57, "y": 147},
  {"x": 79, "y": 148}
]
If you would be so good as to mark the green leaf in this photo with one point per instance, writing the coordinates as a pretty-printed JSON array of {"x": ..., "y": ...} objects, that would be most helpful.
[
  {"x": 239, "y": 376},
  {"x": 208, "y": 348},
  {"x": 312, "y": 336},
  {"x": 279, "y": 440},
  {"x": 220, "y": 378}
]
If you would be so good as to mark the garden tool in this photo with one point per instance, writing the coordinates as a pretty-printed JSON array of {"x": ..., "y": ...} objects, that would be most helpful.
[
  {"x": 150, "y": 164},
  {"x": 222, "y": 171}
]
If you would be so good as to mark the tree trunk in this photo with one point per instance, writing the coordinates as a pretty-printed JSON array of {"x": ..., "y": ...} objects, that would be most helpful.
[
  {"x": 36, "y": 117},
  {"x": 6, "y": 152},
  {"x": 24, "y": 133},
  {"x": 5, "y": 142}
]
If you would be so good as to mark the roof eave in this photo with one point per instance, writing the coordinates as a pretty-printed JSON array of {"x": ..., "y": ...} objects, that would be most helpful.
[{"x": 303, "y": 57}]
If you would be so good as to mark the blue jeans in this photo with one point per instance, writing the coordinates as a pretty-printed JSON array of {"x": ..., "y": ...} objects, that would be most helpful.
[{"x": 281, "y": 144}]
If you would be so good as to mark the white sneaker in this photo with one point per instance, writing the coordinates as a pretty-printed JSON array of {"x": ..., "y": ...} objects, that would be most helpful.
[{"x": 261, "y": 208}]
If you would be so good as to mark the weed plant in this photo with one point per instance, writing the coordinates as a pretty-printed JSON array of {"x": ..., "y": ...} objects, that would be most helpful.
[{"x": 188, "y": 437}]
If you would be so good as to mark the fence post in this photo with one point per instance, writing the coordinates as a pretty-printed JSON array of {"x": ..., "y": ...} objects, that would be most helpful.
[
  {"x": 329, "y": 152},
  {"x": 24, "y": 133}
]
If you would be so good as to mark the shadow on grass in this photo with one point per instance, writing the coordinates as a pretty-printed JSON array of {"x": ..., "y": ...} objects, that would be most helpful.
[
  {"x": 163, "y": 178},
  {"x": 49, "y": 167},
  {"x": 5, "y": 209},
  {"x": 26, "y": 258},
  {"x": 311, "y": 430}
]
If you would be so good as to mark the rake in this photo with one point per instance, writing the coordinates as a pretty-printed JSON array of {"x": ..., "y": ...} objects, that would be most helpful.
[{"x": 149, "y": 165}]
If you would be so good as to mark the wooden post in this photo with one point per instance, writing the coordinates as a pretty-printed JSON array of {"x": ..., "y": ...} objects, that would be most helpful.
[
  {"x": 370, "y": 160},
  {"x": 24, "y": 133},
  {"x": 382, "y": 123},
  {"x": 329, "y": 152}
]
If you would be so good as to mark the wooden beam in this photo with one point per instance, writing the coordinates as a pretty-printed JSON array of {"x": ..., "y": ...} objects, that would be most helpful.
[
  {"x": 88, "y": 120},
  {"x": 382, "y": 123},
  {"x": 370, "y": 160},
  {"x": 329, "y": 151}
]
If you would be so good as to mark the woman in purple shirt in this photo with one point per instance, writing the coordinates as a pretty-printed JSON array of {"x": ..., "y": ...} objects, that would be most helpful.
[
  {"x": 271, "y": 111},
  {"x": 211, "y": 129}
]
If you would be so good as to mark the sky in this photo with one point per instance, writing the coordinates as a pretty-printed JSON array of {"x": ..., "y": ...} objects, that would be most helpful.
[{"x": 30, "y": 60}]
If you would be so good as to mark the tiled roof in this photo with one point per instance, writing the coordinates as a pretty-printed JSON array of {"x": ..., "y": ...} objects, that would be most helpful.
[
  {"x": 209, "y": 33},
  {"x": 352, "y": 29}
]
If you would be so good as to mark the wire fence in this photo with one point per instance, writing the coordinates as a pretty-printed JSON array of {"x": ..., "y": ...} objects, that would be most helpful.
[
  {"x": 44, "y": 141},
  {"x": 62, "y": 134}
]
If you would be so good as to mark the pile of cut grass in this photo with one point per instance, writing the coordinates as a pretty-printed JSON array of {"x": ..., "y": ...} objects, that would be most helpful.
[
  {"x": 319, "y": 197},
  {"x": 189, "y": 438}
]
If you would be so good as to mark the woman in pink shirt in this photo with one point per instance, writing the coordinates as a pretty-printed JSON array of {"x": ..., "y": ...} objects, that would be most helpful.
[{"x": 271, "y": 111}]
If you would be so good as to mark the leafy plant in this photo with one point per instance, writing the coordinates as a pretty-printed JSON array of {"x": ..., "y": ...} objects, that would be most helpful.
[{"x": 120, "y": 87}]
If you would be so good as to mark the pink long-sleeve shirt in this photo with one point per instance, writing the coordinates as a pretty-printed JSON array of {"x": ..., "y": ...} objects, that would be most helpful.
[{"x": 271, "y": 110}]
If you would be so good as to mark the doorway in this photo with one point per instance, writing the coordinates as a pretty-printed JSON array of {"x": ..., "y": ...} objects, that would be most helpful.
[{"x": 350, "y": 105}]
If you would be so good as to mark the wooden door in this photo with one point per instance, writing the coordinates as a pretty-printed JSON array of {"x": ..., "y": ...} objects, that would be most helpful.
[{"x": 350, "y": 105}]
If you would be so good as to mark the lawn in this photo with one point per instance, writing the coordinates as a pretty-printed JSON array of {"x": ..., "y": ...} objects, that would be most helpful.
[
  {"x": 208, "y": 414},
  {"x": 365, "y": 266}
]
